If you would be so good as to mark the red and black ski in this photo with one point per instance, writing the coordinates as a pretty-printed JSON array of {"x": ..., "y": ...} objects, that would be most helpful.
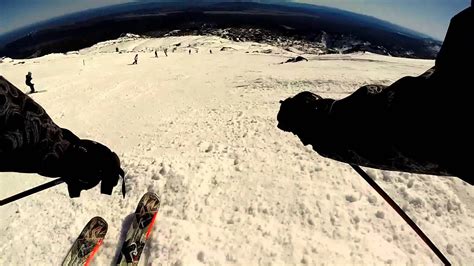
[
  {"x": 87, "y": 243},
  {"x": 140, "y": 230}
]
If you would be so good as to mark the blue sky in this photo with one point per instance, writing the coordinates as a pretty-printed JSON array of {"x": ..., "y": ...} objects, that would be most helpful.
[{"x": 427, "y": 16}]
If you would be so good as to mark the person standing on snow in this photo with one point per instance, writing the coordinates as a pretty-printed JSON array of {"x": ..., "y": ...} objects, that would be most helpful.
[
  {"x": 28, "y": 82},
  {"x": 156, "y": 54},
  {"x": 135, "y": 60}
]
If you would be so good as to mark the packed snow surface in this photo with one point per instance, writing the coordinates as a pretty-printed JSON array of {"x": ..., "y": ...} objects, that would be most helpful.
[{"x": 200, "y": 130}]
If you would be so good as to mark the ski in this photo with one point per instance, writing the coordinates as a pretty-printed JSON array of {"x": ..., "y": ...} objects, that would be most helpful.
[
  {"x": 140, "y": 229},
  {"x": 87, "y": 243}
]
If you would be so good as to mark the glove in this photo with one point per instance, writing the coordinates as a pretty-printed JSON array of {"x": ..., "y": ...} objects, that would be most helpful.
[
  {"x": 304, "y": 109},
  {"x": 30, "y": 142},
  {"x": 87, "y": 163}
]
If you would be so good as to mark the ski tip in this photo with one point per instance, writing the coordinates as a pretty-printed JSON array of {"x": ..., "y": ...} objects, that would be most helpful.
[
  {"x": 100, "y": 220},
  {"x": 151, "y": 194}
]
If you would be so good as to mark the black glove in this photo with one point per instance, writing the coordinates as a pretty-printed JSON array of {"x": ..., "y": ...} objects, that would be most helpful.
[
  {"x": 30, "y": 142},
  {"x": 302, "y": 115},
  {"x": 86, "y": 163},
  {"x": 417, "y": 124}
]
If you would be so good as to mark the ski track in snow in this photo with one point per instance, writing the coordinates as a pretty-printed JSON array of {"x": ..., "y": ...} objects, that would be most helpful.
[{"x": 200, "y": 130}]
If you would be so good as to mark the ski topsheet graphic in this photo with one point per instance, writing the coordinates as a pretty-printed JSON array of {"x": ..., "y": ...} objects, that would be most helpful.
[
  {"x": 140, "y": 229},
  {"x": 87, "y": 244}
]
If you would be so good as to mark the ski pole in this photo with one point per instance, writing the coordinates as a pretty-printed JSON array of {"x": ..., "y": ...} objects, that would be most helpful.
[
  {"x": 32, "y": 191},
  {"x": 401, "y": 213}
]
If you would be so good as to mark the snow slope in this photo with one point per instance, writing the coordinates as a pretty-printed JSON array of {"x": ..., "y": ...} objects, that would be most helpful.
[{"x": 200, "y": 130}]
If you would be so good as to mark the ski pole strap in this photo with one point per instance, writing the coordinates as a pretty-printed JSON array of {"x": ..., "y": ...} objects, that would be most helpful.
[
  {"x": 28, "y": 192},
  {"x": 123, "y": 186},
  {"x": 401, "y": 213}
]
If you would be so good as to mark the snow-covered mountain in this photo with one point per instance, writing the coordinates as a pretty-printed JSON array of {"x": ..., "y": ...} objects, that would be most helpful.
[
  {"x": 317, "y": 29},
  {"x": 200, "y": 130}
]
